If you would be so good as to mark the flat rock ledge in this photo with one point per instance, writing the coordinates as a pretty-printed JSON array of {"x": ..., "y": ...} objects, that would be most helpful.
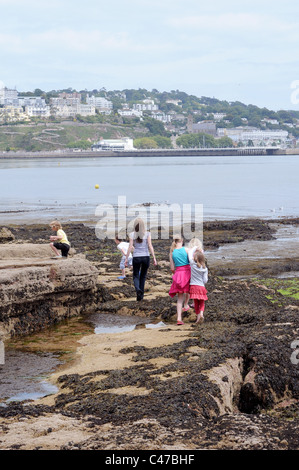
[{"x": 37, "y": 290}]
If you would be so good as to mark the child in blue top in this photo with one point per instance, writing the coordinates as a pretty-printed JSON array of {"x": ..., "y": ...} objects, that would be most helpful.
[{"x": 180, "y": 267}]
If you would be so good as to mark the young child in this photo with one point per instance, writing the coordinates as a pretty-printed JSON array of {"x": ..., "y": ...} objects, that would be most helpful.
[
  {"x": 59, "y": 241},
  {"x": 195, "y": 242},
  {"x": 199, "y": 277},
  {"x": 179, "y": 264},
  {"x": 192, "y": 243},
  {"x": 123, "y": 248}
]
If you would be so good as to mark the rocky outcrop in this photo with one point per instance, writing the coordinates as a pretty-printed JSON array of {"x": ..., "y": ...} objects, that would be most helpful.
[
  {"x": 37, "y": 291},
  {"x": 6, "y": 235}
]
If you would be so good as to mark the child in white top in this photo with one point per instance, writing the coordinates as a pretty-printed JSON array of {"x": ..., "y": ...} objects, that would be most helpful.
[
  {"x": 192, "y": 243},
  {"x": 199, "y": 277},
  {"x": 123, "y": 248}
]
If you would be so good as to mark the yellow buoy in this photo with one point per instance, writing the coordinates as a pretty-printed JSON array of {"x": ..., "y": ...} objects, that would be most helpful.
[{"x": 97, "y": 186}]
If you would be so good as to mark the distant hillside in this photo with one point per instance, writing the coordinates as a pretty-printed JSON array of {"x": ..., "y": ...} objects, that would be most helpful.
[
  {"x": 66, "y": 134},
  {"x": 51, "y": 134}
]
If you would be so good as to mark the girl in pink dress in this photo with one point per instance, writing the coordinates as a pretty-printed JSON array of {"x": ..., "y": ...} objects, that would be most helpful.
[{"x": 180, "y": 267}]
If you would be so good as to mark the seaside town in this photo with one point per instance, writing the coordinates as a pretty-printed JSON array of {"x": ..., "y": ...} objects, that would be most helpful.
[{"x": 176, "y": 114}]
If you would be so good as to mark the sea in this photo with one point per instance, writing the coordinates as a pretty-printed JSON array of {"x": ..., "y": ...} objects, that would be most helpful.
[{"x": 78, "y": 189}]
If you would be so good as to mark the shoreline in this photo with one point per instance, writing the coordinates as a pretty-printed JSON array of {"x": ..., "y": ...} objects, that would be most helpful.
[
  {"x": 219, "y": 152},
  {"x": 92, "y": 222}
]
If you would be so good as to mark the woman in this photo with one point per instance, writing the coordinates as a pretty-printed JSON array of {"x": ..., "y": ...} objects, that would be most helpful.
[{"x": 140, "y": 240}]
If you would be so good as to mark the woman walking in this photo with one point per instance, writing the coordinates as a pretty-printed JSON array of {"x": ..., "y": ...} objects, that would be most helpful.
[{"x": 140, "y": 240}]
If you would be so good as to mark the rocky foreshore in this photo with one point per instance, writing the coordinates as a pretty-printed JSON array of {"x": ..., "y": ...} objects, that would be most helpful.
[
  {"x": 37, "y": 291},
  {"x": 230, "y": 383}
]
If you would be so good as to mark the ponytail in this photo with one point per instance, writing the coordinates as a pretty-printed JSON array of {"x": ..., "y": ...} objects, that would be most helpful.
[
  {"x": 139, "y": 229},
  {"x": 199, "y": 258},
  {"x": 176, "y": 239}
]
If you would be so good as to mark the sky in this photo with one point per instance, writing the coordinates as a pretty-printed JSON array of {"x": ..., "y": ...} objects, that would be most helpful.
[{"x": 234, "y": 50}]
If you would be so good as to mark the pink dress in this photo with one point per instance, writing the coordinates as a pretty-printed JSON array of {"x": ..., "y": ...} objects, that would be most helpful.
[
  {"x": 198, "y": 292},
  {"x": 182, "y": 275}
]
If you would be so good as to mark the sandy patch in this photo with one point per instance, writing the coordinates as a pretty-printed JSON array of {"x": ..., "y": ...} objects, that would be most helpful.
[
  {"x": 47, "y": 432},
  {"x": 102, "y": 352}
]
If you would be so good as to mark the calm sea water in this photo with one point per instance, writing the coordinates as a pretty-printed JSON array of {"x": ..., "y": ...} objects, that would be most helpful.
[{"x": 227, "y": 187}]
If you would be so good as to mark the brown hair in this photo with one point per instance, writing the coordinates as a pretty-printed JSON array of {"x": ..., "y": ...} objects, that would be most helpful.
[
  {"x": 139, "y": 230},
  {"x": 199, "y": 258},
  {"x": 56, "y": 224}
]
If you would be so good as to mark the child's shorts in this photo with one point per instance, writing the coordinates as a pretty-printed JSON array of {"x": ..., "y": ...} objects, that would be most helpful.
[
  {"x": 63, "y": 247},
  {"x": 122, "y": 262}
]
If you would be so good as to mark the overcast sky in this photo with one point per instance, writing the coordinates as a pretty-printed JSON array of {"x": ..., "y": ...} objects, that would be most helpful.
[{"x": 232, "y": 50}]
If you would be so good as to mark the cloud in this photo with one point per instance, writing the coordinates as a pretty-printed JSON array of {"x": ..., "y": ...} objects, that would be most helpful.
[
  {"x": 249, "y": 22},
  {"x": 95, "y": 42},
  {"x": 181, "y": 44},
  {"x": 10, "y": 42},
  {"x": 28, "y": 3}
]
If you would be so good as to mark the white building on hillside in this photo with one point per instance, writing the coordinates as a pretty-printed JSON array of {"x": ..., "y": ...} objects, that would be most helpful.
[
  {"x": 66, "y": 99},
  {"x": 32, "y": 101},
  {"x": 265, "y": 136},
  {"x": 9, "y": 97},
  {"x": 219, "y": 116},
  {"x": 160, "y": 116},
  {"x": 102, "y": 104},
  {"x": 114, "y": 144},
  {"x": 257, "y": 136},
  {"x": 127, "y": 112},
  {"x": 74, "y": 110},
  {"x": 38, "y": 111},
  {"x": 146, "y": 105}
]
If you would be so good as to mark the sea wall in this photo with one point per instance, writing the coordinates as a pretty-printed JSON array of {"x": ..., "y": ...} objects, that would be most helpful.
[
  {"x": 147, "y": 153},
  {"x": 37, "y": 291}
]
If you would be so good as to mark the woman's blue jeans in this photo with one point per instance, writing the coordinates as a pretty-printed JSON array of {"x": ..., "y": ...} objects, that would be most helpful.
[{"x": 140, "y": 267}]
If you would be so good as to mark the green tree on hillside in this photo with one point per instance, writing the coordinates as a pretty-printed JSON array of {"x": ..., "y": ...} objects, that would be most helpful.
[
  {"x": 196, "y": 141},
  {"x": 145, "y": 143},
  {"x": 155, "y": 127},
  {"x": 162, "y": 141}
]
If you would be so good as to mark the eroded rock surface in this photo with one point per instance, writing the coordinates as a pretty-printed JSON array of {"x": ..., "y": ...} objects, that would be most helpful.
[
  {"x": 37, "y": 291},
  {"x": 229, "y": 383}
]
